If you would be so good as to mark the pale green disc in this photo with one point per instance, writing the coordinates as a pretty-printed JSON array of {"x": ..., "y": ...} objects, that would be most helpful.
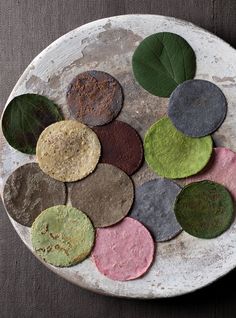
[
  {"x": 172, "y": 154},
  {"x": 62, "y": 236}
]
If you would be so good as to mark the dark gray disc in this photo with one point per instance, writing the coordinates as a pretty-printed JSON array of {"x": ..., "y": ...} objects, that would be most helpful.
[
  {"x": 154, "y": 207},
  {"x": 28, "y": 191},
  {"x": 197, "y": 108}
]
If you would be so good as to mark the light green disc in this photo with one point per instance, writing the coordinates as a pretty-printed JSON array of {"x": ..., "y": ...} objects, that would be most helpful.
[
  {"x": 62, "y": 236},
  {"x": 173, "y": 155}
]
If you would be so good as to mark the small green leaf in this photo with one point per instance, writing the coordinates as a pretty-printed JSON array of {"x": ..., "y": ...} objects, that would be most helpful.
[
  {"x": 162, "y": 61},
  {"x": 25, "y": 117}
]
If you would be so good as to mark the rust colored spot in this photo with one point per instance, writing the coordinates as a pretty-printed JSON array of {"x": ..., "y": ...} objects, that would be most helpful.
[{"x": 94, "y": 98}]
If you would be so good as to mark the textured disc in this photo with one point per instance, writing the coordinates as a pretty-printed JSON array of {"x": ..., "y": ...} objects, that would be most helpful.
[
  {"x": 123, "y": 251},
  {"x": 62, "y": 236},
  {"x": 171, "y": 154},
  {"x": 221, "y": 168},
  {"x": 121, "y": 146},
  {"x": 68, "y": 150},
  {"x": 204, "y": 209},
  {"x": 153, "y": 207},
  {"x": 28, "y": 191},
  {"x": 105, "y": 196},
  {"x": 197, "y": 108},
  {"x": 94, "y": 98}
]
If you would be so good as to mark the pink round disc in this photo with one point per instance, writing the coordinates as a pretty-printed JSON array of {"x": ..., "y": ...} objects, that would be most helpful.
[
  {"x": 221, "y": 168},
  {"x": 123, "y": 251}
]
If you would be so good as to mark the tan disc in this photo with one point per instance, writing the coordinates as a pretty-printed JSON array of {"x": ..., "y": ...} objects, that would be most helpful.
[{"x": 68, "y": 150}]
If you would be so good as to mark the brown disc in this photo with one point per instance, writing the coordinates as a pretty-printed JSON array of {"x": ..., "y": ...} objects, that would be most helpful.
[
  {"x": 121, "y": 146},
  {"x": 28, "y": 191},
  {"x": 105, "y": 196},
  {"x": 94, "y": 98}
]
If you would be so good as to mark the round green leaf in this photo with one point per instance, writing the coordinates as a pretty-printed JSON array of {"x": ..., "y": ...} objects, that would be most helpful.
[
  {"x": 25, "y": 117},
  {"x": 162, "y": 61},
  {"x": 172, "y": 154},
  {"x": 204, "y": 209}
]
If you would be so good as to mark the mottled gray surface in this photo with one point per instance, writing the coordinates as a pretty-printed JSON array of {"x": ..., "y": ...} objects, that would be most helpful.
[
  {"x": 197, "y": 108},
  {"x": 153, "y": 206},
  {"x": 28, "y": 191}
]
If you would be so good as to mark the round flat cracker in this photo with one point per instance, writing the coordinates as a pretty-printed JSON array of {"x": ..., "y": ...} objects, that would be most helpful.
[
  {"x": 94, "y": 98},
  {"x": 153, "y": 207},
  {"x": 197, "y": 108},
  {"x": 28, "y": 191},
  {"x": 171, "y": 154},
  {"x": 68, "y": 150},
  {"x": 62, "y": 236},
  {"x": 221, "y": 169},
  {"x": 105, "y": 196},
  {"x": 204, "y": 209},
  {"x": 121, "y": 146},
  {"x": 123, "y": 251}
]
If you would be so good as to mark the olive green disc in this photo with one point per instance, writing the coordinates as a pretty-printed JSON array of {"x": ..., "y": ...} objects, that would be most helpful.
[
  {"x": 62, "y": 236},
  {"x": 204, "y": 209},
  {"x": 172, "y": 154}
]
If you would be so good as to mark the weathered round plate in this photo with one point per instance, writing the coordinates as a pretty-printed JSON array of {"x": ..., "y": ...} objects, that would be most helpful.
[{"x": 185, "y": 263}]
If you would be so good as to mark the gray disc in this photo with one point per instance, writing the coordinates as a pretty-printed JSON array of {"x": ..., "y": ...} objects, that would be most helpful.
[
  {"x": 197, "y": 108},
  {"x": 154, "y": 207}
]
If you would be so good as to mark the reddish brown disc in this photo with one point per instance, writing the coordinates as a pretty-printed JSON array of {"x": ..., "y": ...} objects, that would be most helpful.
[
  {"x": 94, "y": 98},
  {"x": 121, "y": 146}
]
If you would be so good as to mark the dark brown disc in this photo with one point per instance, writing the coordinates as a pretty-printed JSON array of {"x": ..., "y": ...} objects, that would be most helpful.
[
  {"x": 28, "y": 191},
  {"x": 121, "y": 146},
  {"x": 94, "y": 98}
]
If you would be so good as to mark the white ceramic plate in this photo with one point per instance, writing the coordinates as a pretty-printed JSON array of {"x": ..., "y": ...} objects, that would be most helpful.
[{"x": 185, "y": 263}]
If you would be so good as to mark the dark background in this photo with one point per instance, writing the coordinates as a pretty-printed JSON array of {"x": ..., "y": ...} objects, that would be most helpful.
[{"x": 27, "y": 288}]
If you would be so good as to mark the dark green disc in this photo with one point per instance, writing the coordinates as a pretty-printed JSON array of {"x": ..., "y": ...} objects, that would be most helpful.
[
  {"x": 25, "y": 117},
  {"x": 204, "y": 209}
]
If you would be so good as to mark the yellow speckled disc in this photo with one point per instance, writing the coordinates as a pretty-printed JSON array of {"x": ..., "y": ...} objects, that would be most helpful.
[{"x": 68, "y": 150}]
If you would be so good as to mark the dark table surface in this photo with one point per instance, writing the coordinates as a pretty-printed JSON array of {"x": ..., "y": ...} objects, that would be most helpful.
[{"x": 27, "y": 288}]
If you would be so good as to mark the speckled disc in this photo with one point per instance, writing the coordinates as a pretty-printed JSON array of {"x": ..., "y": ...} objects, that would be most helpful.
[
  {"x": 121, "y": 146},
  {"x": 105, "y": 196},
  {"x": 28, "y": 191},
  {"x": 172, "y": 154},
  {"x": 68, "y": 150},
  {"x": 153, "y": 207},
  {"x": 221, "y": 169},
  {"x": 94, "y": 98},
  {"x": 197, "y": 108},
  {"x": 204, "y": 209},
  {"x": 62, "y": 236},
  {"x": 123, "y": 251}
]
